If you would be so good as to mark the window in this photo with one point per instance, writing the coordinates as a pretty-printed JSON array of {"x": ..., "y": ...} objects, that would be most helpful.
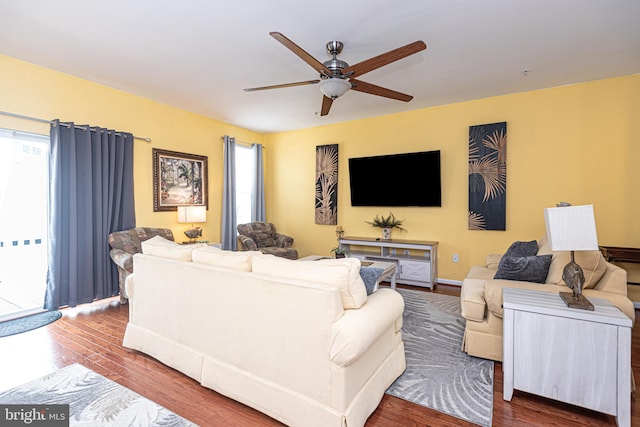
[{"x": 245, "y": 183}]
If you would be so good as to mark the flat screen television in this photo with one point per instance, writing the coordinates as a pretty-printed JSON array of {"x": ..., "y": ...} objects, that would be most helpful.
[{"x": 407, "y": 179}]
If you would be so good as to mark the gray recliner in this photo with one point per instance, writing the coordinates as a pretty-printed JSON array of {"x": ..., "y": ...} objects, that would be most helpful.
[
  {"x": 125, "y": 244},
  {"x": 261, "y": 236}
]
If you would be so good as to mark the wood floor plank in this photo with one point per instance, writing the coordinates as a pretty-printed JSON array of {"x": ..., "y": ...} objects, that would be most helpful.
[{"x": 92, "y": 336}]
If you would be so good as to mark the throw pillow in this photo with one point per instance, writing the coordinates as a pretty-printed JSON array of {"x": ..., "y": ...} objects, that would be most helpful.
[
  {"x": 518, "y": 249},
  {"x": 522, "y": 249},
  {"x": 161, "y": 247},
  {"x": 370, "y": 276},
  {"x": 527, "y": 268}
]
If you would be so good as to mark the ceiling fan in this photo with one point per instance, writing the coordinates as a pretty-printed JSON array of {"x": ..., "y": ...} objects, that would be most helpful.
[{"x": 337, "y": 77}]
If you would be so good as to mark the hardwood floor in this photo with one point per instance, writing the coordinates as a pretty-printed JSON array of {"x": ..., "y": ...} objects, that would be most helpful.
[{"x": 92, "y": 335}]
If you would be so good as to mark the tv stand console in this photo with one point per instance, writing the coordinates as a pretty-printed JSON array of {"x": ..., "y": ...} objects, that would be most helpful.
[{"x": 416, "y": 260}]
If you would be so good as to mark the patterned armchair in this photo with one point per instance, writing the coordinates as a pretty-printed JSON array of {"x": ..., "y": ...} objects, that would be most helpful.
[
  {"x": 261, "y": 236},
  {"x": 127, "y": 243}
]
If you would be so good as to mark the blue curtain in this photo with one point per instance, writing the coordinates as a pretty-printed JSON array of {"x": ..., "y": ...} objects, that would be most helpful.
[
  {"x": 90, "y": 195},
  {"x": 229, "y": 221},
  {"x": 259, "y": 209}
]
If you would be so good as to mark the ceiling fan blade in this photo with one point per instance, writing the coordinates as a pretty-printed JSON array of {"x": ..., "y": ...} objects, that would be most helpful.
[
  {"x": 317, "y": 65},
  {"x": 326, "y": 105},
  {"x": 386, "y": 58},
  {"x": 308, "y": 82},
  {"x": 372, "y": 89}
]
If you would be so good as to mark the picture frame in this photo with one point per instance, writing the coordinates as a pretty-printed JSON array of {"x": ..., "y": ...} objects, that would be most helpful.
[{"x": 179, "y": 179}]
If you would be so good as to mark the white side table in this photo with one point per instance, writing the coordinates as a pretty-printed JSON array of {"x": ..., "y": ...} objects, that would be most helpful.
[{"x": 574, "y": 356}]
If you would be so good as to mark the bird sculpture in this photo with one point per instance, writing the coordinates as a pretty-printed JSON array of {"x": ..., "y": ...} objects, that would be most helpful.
[
  {"x": 193, "y": 233},
  {"x": 573, "y": 277}
]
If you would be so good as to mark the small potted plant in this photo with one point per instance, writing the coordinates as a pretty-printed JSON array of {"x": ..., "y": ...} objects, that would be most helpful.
[
  {"x": 339, "y": 252},
  {"x": 387, "y": 224}
]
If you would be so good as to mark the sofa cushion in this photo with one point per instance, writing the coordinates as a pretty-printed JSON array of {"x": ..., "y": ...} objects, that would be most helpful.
[
  {"x": 210, "y": 255},
  {"x": 492, "y": 261},
  {"x": 264, "y": 239},
  {"x": 525, "y": 268},
  {"x": 342, "y": 273},
  {"x": 356, "y": 283},
  {"x": 543, "y": 247},
  {"x": 592, "y": 262},
  {"x": 161, "y": 247}
]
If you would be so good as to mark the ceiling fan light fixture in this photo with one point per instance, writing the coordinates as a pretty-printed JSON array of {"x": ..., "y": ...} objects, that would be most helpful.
[{"x": 334, "y": 87}]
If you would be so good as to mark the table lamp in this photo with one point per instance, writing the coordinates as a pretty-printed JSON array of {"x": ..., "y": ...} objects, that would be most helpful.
[
  {"x": 572, "y": 228},
  {"x": 192, "y": 214}
]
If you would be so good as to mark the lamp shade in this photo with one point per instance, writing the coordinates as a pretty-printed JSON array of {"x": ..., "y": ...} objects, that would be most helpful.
[
  {"x": 571, "y": 228},
  {"x": 192, "y": 214},
  {"x": 334, "y": 87}
]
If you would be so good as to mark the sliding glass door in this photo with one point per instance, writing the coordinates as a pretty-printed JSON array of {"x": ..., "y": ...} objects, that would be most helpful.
[{"x": 24, "y": 176}]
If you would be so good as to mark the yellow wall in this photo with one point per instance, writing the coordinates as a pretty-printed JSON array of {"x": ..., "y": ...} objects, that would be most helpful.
[
  {"x": 38, "y": 92},
  {"x": 573, "y": 143}
]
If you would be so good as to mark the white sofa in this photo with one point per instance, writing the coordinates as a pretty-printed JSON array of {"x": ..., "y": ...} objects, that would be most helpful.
[{"x": 283, "y": 345}]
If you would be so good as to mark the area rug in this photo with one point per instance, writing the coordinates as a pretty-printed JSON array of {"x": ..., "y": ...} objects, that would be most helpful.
[
  {"x": 93, "y": 400},
  {"x": 439, "y": 374},
  {"x": 27, "y": 323}
]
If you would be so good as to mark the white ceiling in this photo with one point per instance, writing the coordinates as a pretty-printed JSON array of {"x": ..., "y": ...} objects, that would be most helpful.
[{"x": 198, "y": 55}]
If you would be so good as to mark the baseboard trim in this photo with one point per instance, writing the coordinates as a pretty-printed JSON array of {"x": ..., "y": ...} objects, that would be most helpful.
[{"x": 449, "y": 282}]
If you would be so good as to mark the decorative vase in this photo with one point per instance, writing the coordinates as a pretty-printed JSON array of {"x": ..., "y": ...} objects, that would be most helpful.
[{"x": 386, "y": 233}]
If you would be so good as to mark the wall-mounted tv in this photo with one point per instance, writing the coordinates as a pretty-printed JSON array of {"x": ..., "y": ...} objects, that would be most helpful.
[{"x": 407, "y": 179}]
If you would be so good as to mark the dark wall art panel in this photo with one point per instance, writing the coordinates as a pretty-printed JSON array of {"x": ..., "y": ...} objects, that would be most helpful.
[
  {"x": 488, "y": 176},
  {"x": 327, "y": 184}
]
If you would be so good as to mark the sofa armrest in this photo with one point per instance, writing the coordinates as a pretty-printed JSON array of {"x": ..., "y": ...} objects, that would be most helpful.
[
  {"x": 247, "y": 243},
  {"x": 472, "y": 303},
  {"x": 129, "y": 285},
  {"x": 621, "y": 301},
  {"x": 613, "y": 280},
  {"x": 472, "y": 300},
  {"x": 354, "y": 332},
  {"x": 283, "y": 241},
  {"x": 122, "y": 259}
]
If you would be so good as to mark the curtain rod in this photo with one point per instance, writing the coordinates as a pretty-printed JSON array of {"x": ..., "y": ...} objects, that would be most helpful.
[
  {"x": 35, "y": 119},
  {"x": 248, "y": 144}
]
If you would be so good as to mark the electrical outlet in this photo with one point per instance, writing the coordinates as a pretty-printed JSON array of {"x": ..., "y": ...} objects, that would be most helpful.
[
  {"x": 455, "y": 258},
  {"x": 407, "y": 252}
]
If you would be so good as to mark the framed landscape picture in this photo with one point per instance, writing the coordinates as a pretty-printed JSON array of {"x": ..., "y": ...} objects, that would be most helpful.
[{"x": 179, "y": 179}]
